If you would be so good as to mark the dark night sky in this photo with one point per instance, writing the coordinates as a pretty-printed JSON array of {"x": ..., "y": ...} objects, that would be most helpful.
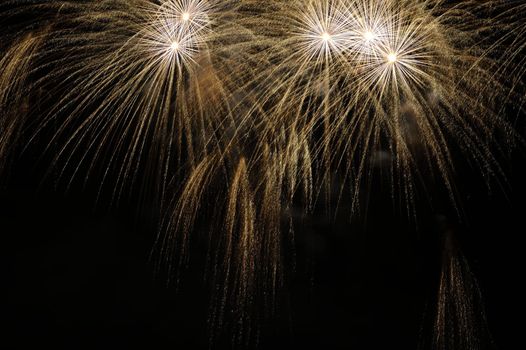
[{"x": 79, "y": 275}]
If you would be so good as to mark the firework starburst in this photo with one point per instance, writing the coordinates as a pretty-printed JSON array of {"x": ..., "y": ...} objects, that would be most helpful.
[{"x": 240, "y": 110}]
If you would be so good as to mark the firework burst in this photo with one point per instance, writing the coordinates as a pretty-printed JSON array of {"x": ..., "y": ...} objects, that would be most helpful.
[
  {"x": 240, "y": 110},
  {"x": 135, "y": 84},
  {"x": 352, "y": 78},
  {"x": 337, "y": 83}
]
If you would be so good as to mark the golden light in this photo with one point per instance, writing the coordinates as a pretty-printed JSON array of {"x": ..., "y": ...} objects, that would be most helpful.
[
  {"x": 174, "y": 46},
  {"x": 392, "y": 57},
  {"x": 326, "y": 36},
  {"x": 369, "y": 35},
  {"x": 241, "y": 110}
]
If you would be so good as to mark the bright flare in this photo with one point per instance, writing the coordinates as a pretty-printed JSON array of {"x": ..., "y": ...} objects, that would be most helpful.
[
  {"x": 369, "y": 36},
  {"x": 326, "y": 36},
  {"x": 392, "y": 58},
  {"x": 174, "y": 46}
]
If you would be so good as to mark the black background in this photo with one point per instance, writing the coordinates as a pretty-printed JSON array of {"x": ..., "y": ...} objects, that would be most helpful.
[{"x": 79, "y": 274}]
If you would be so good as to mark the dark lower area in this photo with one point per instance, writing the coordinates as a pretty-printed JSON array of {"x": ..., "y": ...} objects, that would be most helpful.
[{"x": 80, "y": 275}]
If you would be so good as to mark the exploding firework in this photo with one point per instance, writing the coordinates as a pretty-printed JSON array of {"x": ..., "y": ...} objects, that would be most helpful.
[
  {"x": 133, "y": 84},
  {"x": 240, "y": 110},
  {"x": 353, "y": 78},
  {"x": 336, "y": 84}
]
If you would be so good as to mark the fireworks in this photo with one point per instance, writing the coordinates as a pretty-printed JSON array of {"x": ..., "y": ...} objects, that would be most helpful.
[
  {"x": 357, "y": 77},
  {"x": 177, "y": 31},
  {"x": 255, "y": 105},
  {"x": 134, "y": 84}
]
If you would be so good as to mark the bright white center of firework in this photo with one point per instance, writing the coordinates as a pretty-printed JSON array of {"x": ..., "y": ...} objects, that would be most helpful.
[
  {"x": 369, "y": 36},
  {"x": 326, "y": 36},
  {"x": 392, "y": 57},
  {"x": 185, "y": 16},
  {"x": 174, "y": 46}
]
